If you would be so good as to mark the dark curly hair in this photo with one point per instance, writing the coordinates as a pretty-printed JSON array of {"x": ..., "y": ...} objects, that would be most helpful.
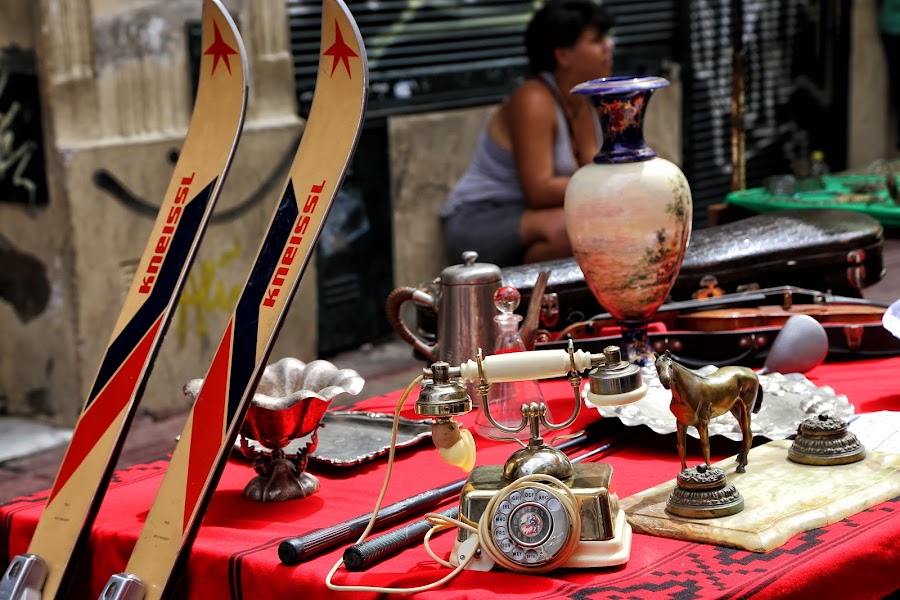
[{"x": 557, "y": 25}]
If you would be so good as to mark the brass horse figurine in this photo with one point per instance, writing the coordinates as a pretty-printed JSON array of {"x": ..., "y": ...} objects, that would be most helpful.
[{"x": 696, "y": 400}]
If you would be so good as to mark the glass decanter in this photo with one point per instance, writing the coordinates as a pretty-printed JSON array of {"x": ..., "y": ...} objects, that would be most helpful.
[{"x": 506, "y": 398}]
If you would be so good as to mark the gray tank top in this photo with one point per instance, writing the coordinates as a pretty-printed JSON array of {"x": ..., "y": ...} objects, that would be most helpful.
[{"x": 491, "y": 176}]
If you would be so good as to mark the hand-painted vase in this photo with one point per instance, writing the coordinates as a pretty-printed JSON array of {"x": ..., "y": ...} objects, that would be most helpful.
[{"x": 628, "y": 214}]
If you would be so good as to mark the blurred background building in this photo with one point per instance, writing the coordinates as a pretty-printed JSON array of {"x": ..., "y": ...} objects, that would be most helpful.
[{"x": 96, "y": 95}]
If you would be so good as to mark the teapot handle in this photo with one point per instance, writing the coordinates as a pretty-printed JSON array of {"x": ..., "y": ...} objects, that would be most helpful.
[{"x": 395, "y": 300}]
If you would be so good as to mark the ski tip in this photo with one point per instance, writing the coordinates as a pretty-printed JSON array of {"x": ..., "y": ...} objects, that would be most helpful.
[
  {"x": 222, "y": 41},
  {"x": 342, "y": 48},
  {"x": 348, "y": 19}
]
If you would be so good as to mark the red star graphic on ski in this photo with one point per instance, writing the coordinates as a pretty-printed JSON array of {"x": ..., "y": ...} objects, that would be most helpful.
[
  {"x": 340, "y": 52},
  {"x": 219, "y": 49}
]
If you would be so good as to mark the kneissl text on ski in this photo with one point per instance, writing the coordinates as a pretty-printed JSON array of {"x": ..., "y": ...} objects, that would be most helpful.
[
  {"x": 320, "y": 163},
  {"x": 218, "y": 116}
]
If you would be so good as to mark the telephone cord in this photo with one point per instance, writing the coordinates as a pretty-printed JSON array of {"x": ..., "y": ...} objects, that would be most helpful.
[
  {"x": 569, "y": 503},
  {"x": 371, "y": 525}
]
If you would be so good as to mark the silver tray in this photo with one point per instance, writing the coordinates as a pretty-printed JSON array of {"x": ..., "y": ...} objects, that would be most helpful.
[
  {"x": 349, "y": 438},
  {"x": 787, "y": 400}
]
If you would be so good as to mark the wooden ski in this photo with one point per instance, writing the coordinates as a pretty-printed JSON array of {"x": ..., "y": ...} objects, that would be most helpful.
[
  {"x": 320, "y": 163},
  {"x": 218, "y": 116}
]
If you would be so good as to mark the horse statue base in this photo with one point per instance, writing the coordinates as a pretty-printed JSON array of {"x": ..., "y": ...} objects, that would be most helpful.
[{"x": 703, "y": 493}]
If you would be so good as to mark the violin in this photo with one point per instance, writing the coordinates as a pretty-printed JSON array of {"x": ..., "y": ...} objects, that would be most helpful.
[
  {"x": 729, "y": 319},
  {"x": 730, "y": 313}
]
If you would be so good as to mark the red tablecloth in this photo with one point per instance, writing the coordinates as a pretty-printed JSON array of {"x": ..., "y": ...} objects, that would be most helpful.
[{"x": 235, "y": 554}]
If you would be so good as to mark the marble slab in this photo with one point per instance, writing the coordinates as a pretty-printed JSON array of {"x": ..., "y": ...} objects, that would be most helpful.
[{"x": 781, "y": 499}]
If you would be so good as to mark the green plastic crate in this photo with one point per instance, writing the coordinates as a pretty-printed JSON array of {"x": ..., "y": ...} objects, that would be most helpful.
[{"x": 861, "y": 193}]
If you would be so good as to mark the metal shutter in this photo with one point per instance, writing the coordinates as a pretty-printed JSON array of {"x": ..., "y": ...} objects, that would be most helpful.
[
  {"x": 439, "y": 54},
  {"x": 796, "y": 91}
]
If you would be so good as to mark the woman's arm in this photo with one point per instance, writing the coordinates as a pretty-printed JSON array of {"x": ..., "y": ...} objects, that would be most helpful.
[{"x": 531, "y": 121}]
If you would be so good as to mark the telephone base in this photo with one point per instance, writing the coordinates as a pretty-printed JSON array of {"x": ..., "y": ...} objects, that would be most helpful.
[
  {"x": 588, "y": 553},
  {"x": 603, "y": 553}
]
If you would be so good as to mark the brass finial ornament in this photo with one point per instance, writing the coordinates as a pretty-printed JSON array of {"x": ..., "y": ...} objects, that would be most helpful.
[
  {"x": 702, "y": 492},
  {"x": 825, "y": 440}
]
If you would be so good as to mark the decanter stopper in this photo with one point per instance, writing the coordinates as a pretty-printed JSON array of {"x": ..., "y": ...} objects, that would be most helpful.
[{"x": 506, "y": 300}]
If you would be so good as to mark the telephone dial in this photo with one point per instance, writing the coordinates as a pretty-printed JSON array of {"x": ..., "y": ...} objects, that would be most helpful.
[{"x": 537, "y": 524}]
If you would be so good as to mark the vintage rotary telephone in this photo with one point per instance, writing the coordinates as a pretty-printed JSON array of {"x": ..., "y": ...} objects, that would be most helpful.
[{"x": 538, "y": 511}]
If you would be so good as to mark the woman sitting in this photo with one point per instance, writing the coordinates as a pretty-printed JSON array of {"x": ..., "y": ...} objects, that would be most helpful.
[{"x": 508, "y": 204}]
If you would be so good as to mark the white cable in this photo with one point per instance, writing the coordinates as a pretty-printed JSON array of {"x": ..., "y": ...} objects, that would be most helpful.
[
  {"x": 362, "y": 537},
  {"x": 436, "y": 529}
]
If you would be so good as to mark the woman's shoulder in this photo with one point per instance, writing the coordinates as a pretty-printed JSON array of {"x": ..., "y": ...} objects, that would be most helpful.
[
  {"x": 535, "y": 89},
  {"x": 533, "y": 97}
]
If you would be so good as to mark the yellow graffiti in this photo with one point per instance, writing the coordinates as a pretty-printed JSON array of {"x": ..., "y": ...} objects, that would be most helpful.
[{"x": 204, "y": 293}]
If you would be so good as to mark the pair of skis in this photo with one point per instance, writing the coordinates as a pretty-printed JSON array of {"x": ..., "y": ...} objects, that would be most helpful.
[{"x": 319, "y": 166}]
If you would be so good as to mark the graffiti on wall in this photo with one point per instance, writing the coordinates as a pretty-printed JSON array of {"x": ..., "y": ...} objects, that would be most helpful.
[
  {"x": 23, "y": 277},
  {"x": 119, "y": 191},
  {"x": 22, "y": 177},
  {"x": 206, "y": 293},
  {"x": 23, "y": 281}
]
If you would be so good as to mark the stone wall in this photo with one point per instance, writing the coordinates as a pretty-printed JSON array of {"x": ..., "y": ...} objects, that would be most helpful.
[
  {"x": 38, "y": 362},
  {"x": 870, "y": 130},
  {"x": 16, "y": 26},
  {"x": 429, "y": 153}
]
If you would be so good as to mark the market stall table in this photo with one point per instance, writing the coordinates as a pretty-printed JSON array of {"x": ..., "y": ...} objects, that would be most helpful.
[{"x": 235, "y": 553}]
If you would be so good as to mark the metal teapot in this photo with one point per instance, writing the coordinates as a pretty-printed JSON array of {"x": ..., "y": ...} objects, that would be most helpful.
[{"x": 462, "y": 298}]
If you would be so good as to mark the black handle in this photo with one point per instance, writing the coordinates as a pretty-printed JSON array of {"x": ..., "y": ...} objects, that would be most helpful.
[
  {"x": 360, "y": 557},
  {"x": 296, "y": 550}
]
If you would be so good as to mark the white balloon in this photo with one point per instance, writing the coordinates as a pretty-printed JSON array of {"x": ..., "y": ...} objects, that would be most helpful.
[{"x": 801, "y": 345}]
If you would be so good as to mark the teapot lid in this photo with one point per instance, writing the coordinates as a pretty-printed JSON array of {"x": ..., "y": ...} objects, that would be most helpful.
[{"x": 470, "y": 272}]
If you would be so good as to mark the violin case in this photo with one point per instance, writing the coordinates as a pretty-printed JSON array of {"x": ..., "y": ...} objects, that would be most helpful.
[{"x": 834, "y": 251}]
